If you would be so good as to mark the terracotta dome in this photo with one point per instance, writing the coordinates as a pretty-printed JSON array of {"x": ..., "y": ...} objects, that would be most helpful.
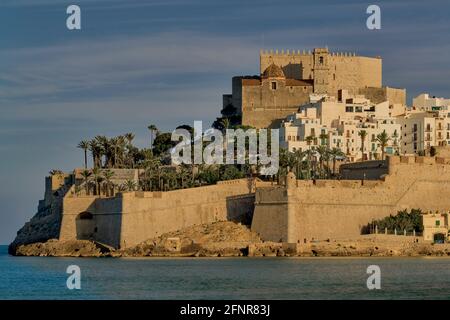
[{"x": 273, "y": 71}]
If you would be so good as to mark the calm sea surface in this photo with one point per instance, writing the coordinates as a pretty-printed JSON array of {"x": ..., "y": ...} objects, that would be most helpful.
[{"x": 224, "y": 278}]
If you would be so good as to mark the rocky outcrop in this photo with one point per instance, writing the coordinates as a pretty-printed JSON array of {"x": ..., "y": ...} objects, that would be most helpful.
[
  {"x": 73, "y": 248},
  {"x": 219, "y": 239},
  {"x": 229, "y": 239},
  {"x": 43, "y": 226}
]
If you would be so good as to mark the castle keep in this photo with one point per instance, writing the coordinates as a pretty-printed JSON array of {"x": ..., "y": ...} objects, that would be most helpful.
[{"x": 287, "y": 79}]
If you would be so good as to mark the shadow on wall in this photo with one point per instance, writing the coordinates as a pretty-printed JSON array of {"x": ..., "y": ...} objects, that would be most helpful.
[
  {"x": 241, "y": 208},
  {"x": 86, "y": 226},
  {"x": 98, "y": 223},
  {"x": 293, "y": 70}
]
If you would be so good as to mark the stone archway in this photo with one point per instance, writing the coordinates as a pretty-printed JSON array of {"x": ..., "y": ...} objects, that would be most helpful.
[
  {"x": 439, "y": 238},
  {"x": 86, "y": 226}
]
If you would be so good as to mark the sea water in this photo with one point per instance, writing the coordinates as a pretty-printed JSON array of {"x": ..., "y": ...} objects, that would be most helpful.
[{"x": 223, "y": 278}]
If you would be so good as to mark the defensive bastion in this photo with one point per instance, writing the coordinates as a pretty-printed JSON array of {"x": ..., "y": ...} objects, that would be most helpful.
[
  {"x": 293, "y": 212},
  {"x": 338, "y": 209}
]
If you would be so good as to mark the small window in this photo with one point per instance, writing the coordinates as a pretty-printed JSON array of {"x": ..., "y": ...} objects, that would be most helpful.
[
  {"x": 438, "y": 223},
  {"x": 320, "y": 60},
  {"x": 274, "y": 85}
]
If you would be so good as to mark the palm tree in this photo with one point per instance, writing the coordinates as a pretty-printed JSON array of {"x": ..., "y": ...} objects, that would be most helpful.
[
  {"x": 86, "y": 174},
  {"x": 185, "y": 175},
  {"x": 129, "y": 137},
  {"x": 336, "y": 153},
  {"x": 105, "y": 147},
  {"x": 108, "y": 174},
  {"x": 153, "y": 130},
  {"x": 363, "y": 135},
  {"x": 96, "y": 151},
  {"x": 383, "y": 140},
  {"x": 299, "y": 156},
  {"x": 84, "y": 144},
  {"x": 309, "y": 154},
  {"x": 323, "y": 155},
  {"x": 130, "y": 185},
  {"x": 98, "y": 178},
  {"x": 225, "y": 123},
  {"x": 54, "y": 172},
  {"x": 130, "y": 157}
]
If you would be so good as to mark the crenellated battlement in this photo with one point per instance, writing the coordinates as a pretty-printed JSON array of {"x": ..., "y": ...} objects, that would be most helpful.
[
  {"x": 298, "y": 52},
  {"x": 401, "y": 160}
]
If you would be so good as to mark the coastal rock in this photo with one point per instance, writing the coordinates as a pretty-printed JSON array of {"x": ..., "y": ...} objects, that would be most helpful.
[
  {"x": 55, "y": 248},
  {"x": 218, "y": 239}
]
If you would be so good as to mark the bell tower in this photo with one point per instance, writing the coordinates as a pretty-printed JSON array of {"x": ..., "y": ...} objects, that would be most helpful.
[{"x": 321, "y": 70}]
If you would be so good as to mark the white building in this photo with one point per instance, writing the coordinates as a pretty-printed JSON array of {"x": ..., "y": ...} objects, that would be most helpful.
[
  {"x": 425, "y": 103},
  {"x": 338, "y": 123},
  {"x": 421, "y": 130}
]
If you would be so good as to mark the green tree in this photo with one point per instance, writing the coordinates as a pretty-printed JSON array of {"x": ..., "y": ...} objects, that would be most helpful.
[
  {"x": 323, "y": 138},
  {"x": 130, "y": 185},
  {"x": 323, "y": 156},
  {"x": 163, "y": 142},
  {"x": 86, "y": 174},
  {"x": 109, "y": 186},
  {"x": 383, "y": 140},
  {"x": 84, "y": 144},
  {"x": 336, "y": 153},
  {"x": 98, "y": 179},
  {"x": 363, "y": 135},
  {"x": 153, "y": 131}
]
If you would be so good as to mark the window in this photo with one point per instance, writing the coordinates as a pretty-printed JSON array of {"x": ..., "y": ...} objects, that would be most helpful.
[
  {"x": 438, "y": 223},
  {"x": 358, "y": 109},
  {"x": 274, "y": 85},
  {"x": 348, "y": 109},
  {"x": 320, "y": 60}
]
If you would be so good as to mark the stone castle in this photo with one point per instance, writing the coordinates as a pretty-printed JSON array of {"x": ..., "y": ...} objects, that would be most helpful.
[
  {"x": 288, "y": 78},
  {"x": 292, "y": 212}
]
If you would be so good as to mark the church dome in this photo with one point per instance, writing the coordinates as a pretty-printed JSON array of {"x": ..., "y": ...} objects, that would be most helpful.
[{"x": 273, "y": 71}]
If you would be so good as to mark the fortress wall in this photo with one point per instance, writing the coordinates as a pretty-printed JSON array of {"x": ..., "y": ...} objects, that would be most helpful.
[
  {"x": 133, "y": 217},
  {"x": 261, "y": 105},
  {"x": 105, "y": 225},
  {"x": 269, "y": 220},
  {"x": 370, "y": 71},
  {"x": 378, "y": 95},
  {"x": 265, "y": 118},
  {"x": 149, "y": 214},
  {"x": 339, "y": 209}
]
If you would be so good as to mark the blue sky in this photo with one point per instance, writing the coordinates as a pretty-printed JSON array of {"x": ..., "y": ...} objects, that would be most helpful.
[{"x": 168, "y": 62}]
